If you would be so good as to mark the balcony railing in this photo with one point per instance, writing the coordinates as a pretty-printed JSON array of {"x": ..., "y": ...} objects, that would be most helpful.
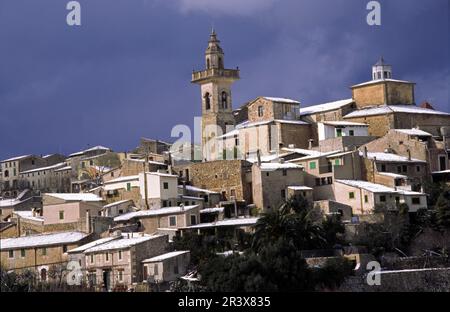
[{"x": 215, "y": 72}]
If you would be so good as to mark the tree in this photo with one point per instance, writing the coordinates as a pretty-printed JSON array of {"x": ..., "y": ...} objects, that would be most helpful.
[{"x": 442, "y": 208}]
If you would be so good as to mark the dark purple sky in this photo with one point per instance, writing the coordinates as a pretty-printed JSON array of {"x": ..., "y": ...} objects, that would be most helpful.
[{"x": 125, "y": 73}]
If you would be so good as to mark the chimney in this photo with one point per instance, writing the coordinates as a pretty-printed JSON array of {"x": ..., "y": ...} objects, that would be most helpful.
[
  {"x": 310, "y": 143},
  {"x": 409, "y": 154},
  {"x": 258, "y": 156},
  {"x": 182, "y": 206},
  {"x": 88, "y": 221}
]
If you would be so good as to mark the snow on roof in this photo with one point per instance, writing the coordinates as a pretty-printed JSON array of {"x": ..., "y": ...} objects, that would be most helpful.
[
  {"x": 345, "y": 123},
  {"x": 442, "y": 171},
  {"x": 16, "y": 158},
  {"x": 95, "y": 148},
  {"x": 301, "y": 151},
  {"x": 380, "y": 80},
  {"x": 153, "y": 212},
  {"x": 414, "y": 131},
  {"x": 62, "y": 164},
  {"x": 97, "y": 242},
  {"x": 340, "y": 154},
  {"x": 28, "y": 215},
  {"x": 190, "y": 197},
  {"x": 153, "y": 162},
  {"x": 281, "y": 100},
  {"x": 294, "y": 122},
  {"x": 267, "y": 158},
  {"x": 212, "y": 210},
  {"x": 9, "y": 202},
  {"x": 393, "y": 175},
  {"x": 197, "y": 189},
  {"x": 316, "y": 155},
  {"x": 278, "y": 166},
  {"x": 122, "y": 179},
  {"x": 166, "y": 256},
  {"x": 75, "y": 196},
  {"x": 227, "y": 222},
  {"x": 117, "y": 203},
  {"x": 162, "y": 174},
  {"x": 389, "y": 157},
  {"x": 63, "y": 168},
  {"x": 387, "y": 109},
  {"x": 299, "y": 188},
  {"x": 368, "y": 186},
  {"x": 42, "y": 240},
  {"x": 122, "y": 243},
  {"x": 319, "y": 108}
]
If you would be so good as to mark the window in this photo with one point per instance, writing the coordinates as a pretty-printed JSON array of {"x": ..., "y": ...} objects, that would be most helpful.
[
  {"x": 166, "y": 185},
  {"x": 44, "y": 251},
  {"x": 120, "y": 254},
  {"x": 260, "y": 111},
  {"x": 172, "y": 221},
  {"x": 207, "y": 101},
  {"x": 155, "y": 269},
  {"x": 330, "y": 180},
  {"x": 44, "y": 274},
  {"x": 61, "y": 215},
  {"x": 175, "y": 266},
  {"x": 283, "y": 194},
  {"x": 337, "y": 162},
  {"x": 383, "y": 198},
  {"x": 366, "y": 198},
  {"x": 106, "y": 257},
  {"x": 415, "y": 200},
  {"x": 399, "y": 169},
  {"x": 128, "y": 186},
  {"x": 208, "y": 64},
  {"x": 338, "y": 133},
  {"x": 120, "y": 275},
  {"x": 91, "y": 163},
  {"x": 418, "y": 168},
  {"x": 164, "y": 203},
  {"x": 64, "y": 248},
  {"x": 383, "y": 168},
  {"x": 404, "y": 168},
  {"x": 6, "y": 173},
  {"x": 11, "y": 254},
  {"x": 267, "y": 174},
  {"x": 312, "y": 165},
  {"x": 317, "y": 182},
  {"x": 112, "y": 174},
  {"x": 351, "y": 132},
  {"x": 351, "y": 195},
  {"x": 284, "y": 172},
  {"x": 92, "y": 258},
  {"x": 193, "y": 219},
  {"x": 224, "y": 99}
]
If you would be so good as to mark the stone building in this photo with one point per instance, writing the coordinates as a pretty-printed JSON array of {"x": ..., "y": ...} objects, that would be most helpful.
[
  {"x": 40, "y": 253},
  {"x": 166, "y": 267}
]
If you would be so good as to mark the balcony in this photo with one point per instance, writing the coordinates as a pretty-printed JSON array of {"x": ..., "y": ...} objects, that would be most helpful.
[{"x": 198, "y": 76}]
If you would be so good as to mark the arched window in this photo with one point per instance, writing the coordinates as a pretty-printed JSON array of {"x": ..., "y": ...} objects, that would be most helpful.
[
  {"x": 220, "y": 62},
  {"x": 6, "y": 173},
  {"x": 208, "y": 65},
  {"x": 207, "y": 101},
  {"x": 43, "y": 275},
  {"x": 224, "y": 99}
]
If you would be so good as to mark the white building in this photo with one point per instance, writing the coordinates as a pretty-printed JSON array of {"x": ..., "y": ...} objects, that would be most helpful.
[{"x": 336, "y": 129}]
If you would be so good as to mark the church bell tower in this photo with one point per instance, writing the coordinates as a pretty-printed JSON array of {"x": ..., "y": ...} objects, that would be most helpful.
[{"x": 215, "y": 84}]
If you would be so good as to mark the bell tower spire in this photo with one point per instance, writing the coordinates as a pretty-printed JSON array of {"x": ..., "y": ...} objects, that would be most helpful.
[{"x": 215, "y": 84}]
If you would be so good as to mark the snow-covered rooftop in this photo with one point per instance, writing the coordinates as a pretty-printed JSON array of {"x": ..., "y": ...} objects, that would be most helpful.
[
  {"x": 281, "y": 100},
  {"x": 345, "y": 123},
  {"x": 386, "y": 109},
  {"x": 414, "y": 131},
  {"x": 153, "y": 212},
  {"x": 380, "y": 80},
  {"x": 319, "y": 108},
  {"x": 75, "y": 196},
  {"x": 95, "y": 243},
  {"x": 368, "y": 186},
  {"x": 302, "y": 151},
  {"x": 389, "y": 157},
  {"x": 212, "y": 210},
  {"x": 9, "y": 202},
  {"x": 197, "y": 189},
  {"x": 95, "y": 148},
  {"x": 315, "y": 155},
  {"x": 122, "y": 243},
  {"x": 117, "y": 203},
  {"x": 277, "y": 166},
  {"x": 16, "y": 158},
  {"x": 28, "y": 215},
  {"x": 122, "y": 179},
  {"x": 393, "y": 175},
  {"x": 227, "y": 222},
  {"x": 63, "y": 168},
  {"x": 42, "y": 240},
  {"x": 299, "y": 188},
  {"x": 56, "y": 166},
  {"x": 166, "y": 256}
]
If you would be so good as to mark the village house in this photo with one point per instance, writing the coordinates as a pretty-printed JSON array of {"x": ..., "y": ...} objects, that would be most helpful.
[
  {"x": 365, "y": 196},
  {"x": 117, "y": 264},
  {"x": 117, "y": 208},
  {"x": 40, "y": 253},
  {"x": 165, "y": 268},
  {"x": 26, "y": 200},
  {"x": 54, "y": 178},
  {"x": 271, "y": 182},
  {"x": 167, "y": 220},
  {"x": 210, "y": 198}
]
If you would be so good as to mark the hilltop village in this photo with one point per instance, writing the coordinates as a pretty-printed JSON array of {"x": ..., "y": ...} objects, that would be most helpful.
[{"x": 374, "y": 165}]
